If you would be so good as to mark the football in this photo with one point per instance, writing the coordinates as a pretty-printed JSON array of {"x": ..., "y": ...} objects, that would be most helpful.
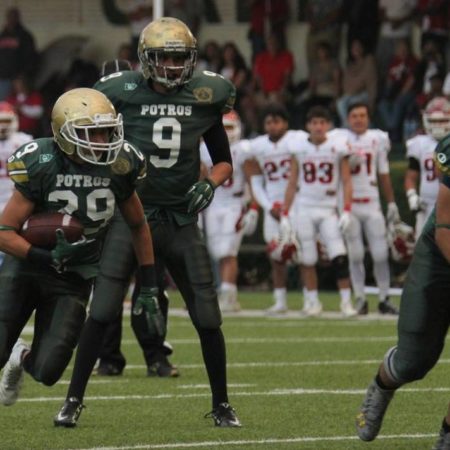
[{"x": 40, "y": 229}]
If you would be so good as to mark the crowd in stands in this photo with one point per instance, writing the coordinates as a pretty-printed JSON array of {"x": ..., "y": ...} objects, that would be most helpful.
[{"x": 379, "y": 67}]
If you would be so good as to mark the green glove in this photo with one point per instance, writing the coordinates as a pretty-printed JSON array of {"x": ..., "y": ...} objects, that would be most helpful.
[
  {"x": 147, "y": 302},
  {"x": 200, "y": 195},
  {"x": 68, "y": 253}
]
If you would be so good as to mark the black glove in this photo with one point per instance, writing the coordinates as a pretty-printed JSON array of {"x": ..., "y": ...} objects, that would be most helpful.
[
  {"x": 200, "y": 195},
  {"x": 147, "y": 302}
]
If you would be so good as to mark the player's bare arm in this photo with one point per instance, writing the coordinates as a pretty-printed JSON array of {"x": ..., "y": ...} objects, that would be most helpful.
[
  {"x": 291, "y": 187},
  {"x": 386, "y": 186},
  {"x": 133, "y": 213},
  {"x": 16, "y": 212},
  {"x": 442, "y": 233},
  {"x": 346, "y": 178}
]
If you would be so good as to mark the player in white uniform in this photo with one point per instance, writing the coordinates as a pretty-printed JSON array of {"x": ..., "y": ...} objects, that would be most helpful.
[
  {"x": 369, "y": 165},
  {"x": 421, "y": 166},
  {"x": 319, "y": 165},
  {"x": 269, "y": 172},
  {"x": 10, "y": 141},
  {"x": 225, "y": 220}
]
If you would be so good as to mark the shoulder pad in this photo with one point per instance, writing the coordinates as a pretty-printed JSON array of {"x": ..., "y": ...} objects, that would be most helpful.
[
  {"x": 213, "y": 88},
  {"x": 442, "y": 155},
  {"x": 130, "y": 161}
]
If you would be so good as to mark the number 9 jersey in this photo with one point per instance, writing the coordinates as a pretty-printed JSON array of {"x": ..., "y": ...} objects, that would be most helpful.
[{"x": 167, "y": 128}]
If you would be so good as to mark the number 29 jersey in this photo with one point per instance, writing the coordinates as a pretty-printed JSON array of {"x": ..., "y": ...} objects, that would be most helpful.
[
  {"x": 167, "y": 128},
  {"x": 319, "y": 171},
  {"x": 274, "y": 159}
]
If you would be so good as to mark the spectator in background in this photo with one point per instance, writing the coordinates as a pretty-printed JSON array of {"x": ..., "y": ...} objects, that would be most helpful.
[
  {"x": 359, "y": 81},
  {"x": 210, "y": 58},
  {"x": 190, "y": 12},
  {"x": 28, "y": 104},
  {"x": 271, "y": 82},
  {"x": 235, "y": 69},
  {"x": 125, "y": 53},
  {"x": 140, "y": 13},
  {"x": 434, "y": 22},
  {"x": 430, "y": 64},
  {"x": 362, "y": 22},
  {"x": 396, "y": 18},
  {"x": 324, "y": 83},
  {"x": 17, "y": 51},
  {"x": 324, "y": 19},
  {"x": 267, "y": 16},
  {"x": 398, "y": 92},
  {"x": 446, "y": 88}
]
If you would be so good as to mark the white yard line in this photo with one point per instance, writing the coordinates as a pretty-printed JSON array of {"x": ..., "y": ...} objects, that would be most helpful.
[
  {"x": 270, "y": 393},
  {"x": 269, "y": 441}
]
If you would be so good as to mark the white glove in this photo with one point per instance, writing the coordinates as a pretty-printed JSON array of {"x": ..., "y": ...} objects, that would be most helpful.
[
  {"x": 285, "y": 228},
  {"x": 413, "y": 200},
  {"x": 345, "y": 221},
  {"x": 392, "y": 214},
  {"x": 249, "y": 222}
]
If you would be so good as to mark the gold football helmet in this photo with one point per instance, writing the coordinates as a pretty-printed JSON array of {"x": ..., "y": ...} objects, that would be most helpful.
[
  {"x": 77, "y": 115},
  {"x": 167, "y": 51}
]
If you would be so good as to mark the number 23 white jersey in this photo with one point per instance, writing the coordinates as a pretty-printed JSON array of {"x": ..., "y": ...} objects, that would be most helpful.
[{"x": 274, "y": 159}]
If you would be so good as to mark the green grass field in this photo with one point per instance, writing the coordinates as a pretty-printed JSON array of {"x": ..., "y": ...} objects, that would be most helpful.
[{"x": 296, "y": 384}]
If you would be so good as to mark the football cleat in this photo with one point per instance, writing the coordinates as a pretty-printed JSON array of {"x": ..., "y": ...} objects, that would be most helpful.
[
  {"x": 109, "y": 370},
  {"x": 12, "y": 378},
  {"x": 224, "y": 416},
  {"x": 362, "y": 306},
  {"x": 276, "y": 309},
  {"x": 313, "y": 309},
  {"x": 443, "y": 442},
  {"x": 69, "y": 413},
  {"x": 371, "y": 413},
  {"x": 387, "y": 307},
  {"x": 162, "y": 369},
  {"x": 347, "y": 309}
]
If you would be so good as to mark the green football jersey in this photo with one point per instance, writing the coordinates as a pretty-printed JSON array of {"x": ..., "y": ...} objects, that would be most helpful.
[
  {"x": 167, "y": 128},
  {"x": 89, "y": 192}
]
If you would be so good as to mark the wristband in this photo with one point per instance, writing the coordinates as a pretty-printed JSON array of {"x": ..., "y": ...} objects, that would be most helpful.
[
  {"x": 38, "y": 255},
  {"x": 410, "y": 192},
  {"x": 348, "y": 208},
  {"x": 211, "y": 183},
  {"x": 254, "y": 206},
  {"x": 148, "y": 275}
]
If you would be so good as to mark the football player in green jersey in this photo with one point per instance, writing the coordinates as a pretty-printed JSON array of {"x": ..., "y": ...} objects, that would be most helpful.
[
  {"x": 424, "y": 315},
  {"x": 84, "y": 171},
  {"x": 166, "y": 112}
]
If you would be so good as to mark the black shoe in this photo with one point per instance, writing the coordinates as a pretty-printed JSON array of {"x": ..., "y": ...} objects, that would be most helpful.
[
  {"x": 362, "y": 307},
  {"x": 224, "y": 416},
  {"x": 109, "y": 370},
  {"x": 69, "y": 413},
  {"x": 162, "y": 369},
  {"x": 386, "y": 307}
]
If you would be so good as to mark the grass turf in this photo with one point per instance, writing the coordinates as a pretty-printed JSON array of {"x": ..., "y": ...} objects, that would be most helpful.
[{"x": 296, "y": 384}]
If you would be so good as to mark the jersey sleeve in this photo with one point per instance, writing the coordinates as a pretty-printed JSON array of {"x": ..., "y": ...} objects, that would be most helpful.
[
  {"x": 215, "y": 89},
  {"x": 384, "y": 146},
  {"x": 25, "y": 172},
  {"x": 412, "y": 149}
]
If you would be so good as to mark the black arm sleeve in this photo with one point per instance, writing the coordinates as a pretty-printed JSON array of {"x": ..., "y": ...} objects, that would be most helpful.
[
  {"x": 216, "y": 141},
  {"x": 413, "y": 164}
]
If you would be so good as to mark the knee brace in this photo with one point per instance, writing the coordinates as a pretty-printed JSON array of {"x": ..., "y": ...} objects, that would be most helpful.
[{"x": 340, "y": 266}]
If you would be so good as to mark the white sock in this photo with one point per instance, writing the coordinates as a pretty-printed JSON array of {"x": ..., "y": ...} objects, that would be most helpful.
[
  {"x": 312, "y": 296},
  {"x": 228, "y": 287},
  {"x": 279, "y": 294},
  {"x": 346, "y": 295}
]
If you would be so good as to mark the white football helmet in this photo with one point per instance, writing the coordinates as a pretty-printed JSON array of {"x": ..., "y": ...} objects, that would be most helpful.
[
  {"x": 401, "y": 241},
  {"x": 233, "y": 126},
  {"x": 286, "y": 250},
  {"x": 9, "y": 123},
  {"x": 436, "y": 118}
]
